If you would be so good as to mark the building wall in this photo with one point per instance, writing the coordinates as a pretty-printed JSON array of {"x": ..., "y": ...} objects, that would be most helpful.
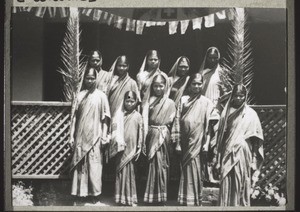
[
  {"x": 36, "y": 54},
  {"x": 27, "y": 57}
]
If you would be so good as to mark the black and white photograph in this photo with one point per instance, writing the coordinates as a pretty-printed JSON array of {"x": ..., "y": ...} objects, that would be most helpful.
[{"x": 173, "y": 107}]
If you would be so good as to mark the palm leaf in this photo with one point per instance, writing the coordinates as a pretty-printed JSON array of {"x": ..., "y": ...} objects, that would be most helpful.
[
  {"x": 238, "y": 67},
  {"x": 73, "y": 67},
  {"x": 72, "y": 70}
]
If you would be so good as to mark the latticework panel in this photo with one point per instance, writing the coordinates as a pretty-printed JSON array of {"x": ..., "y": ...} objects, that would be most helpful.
[
  {"x": 40, "y": 133},
  {"x": 273, "y": 119},
  {"x": 39, "y": 138}
]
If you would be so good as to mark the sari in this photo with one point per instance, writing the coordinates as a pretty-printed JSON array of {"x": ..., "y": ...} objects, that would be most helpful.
[
  {"x": 129, "y": 135},
  {"x": 118, "y": 87},
  {"x": 177, "y": 88},
  {"x": 191, "y": 129},
  {"x": 212, "y": 85},
  {"x": 237, "y": 134},
  {"x": 158, "y": 116},
  {"x": 86, "y": 165},
  {"x": 177, "y": 84},
  {"x": 103, "y": 78},
  {"x": 144, "y": 78}
]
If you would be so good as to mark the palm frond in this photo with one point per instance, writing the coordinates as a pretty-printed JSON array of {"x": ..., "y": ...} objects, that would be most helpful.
[
  {"x": 70, "y": 53},
  {"x": 238, "y": 67}
]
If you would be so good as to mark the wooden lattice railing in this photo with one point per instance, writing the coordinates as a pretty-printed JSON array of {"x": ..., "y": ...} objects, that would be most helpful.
[
  {"x": 39, "y": 133},
  {"x": 273, "y": 119},
  {"x": 39, "y": 139}
]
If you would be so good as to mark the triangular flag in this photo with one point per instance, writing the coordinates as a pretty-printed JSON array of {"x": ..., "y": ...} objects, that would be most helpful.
[
  {"x": 119, "y": 22},
  {"x": 173, "y": 27},
  {"x": 197, "y": 22},
  {"x": 150, "y": 23},
  {"x": 221, "y": 14},
  {"x": 160, "y": 23},
  {"x": 97, "y": 14},
  {"x": 140, "y": 27},
  {"x": 52, "y": 11},
  {"x": 40, "y": 12},
  {"x": 130, "y": 24},
  {"x": 184, "y": 25},
  {"x": 209, "y": 20}
]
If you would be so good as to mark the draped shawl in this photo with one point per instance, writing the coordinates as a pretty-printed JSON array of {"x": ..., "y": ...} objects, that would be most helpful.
[{"x": 90, "y": 113}]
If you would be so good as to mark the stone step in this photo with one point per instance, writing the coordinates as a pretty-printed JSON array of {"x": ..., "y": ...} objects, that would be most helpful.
[{"x": 210, "y": 196}]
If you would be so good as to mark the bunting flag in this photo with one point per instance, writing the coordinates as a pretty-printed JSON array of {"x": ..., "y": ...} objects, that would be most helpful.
[
  {"x": 160, "y": 23},
  {"x": 197, "y": 22},
  {"x": 140, "y": 27},
  {"x": 62, "y": 12},
  {"x": 52, "y": 11},
  {"x": 184, "y": 25},
  {"x": 221, "y": 15},
  {"x": 150, "y": 23},
  {"x": 131, "y": 24},
  {"x": 173, "y": 27},
  {"x": 40, "y": 12},
  {"x": 209, "y": 20},
  {"x": 28, "y": 9},
  {"x": 87, "y": 12},
  {"x": 97, "y": 15},
  {"x": 110, "y": 19},
  {"x": 119, "y": 22},
  {"x": 104, "y": 17}
]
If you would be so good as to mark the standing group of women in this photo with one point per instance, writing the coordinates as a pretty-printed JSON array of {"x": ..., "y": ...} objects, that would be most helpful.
[{"x": 159, "y": 113}]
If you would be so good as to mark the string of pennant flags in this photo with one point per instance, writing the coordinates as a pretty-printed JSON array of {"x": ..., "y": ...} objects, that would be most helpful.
[{"x": 130, "y": 24}]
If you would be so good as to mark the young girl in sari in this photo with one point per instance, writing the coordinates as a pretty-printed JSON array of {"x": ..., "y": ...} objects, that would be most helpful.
[
  {"x": 89, "y": 135},
  {"x": 127, "y": 137},
  {"x": 191, "y": 130},
  {"x": 158, "y": 116}
]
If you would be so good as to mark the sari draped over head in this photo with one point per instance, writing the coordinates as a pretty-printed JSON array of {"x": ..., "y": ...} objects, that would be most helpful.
[
  {"x": 190, "y": 132},
  {"x": 117, "y": 87},
  {"x": 126, "y": 139},
  {"x": 212, "y": 85},
  {"x": 126, "y": 127},
  {"x": 144, "y": 78},
  {"x": 158, "y": 115},
  {"x": 103, "y": 78},
  {"x": 177, "y": 85},
  {"x": 237, "y": 133},
  {"x": 91, "y": 111}
]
